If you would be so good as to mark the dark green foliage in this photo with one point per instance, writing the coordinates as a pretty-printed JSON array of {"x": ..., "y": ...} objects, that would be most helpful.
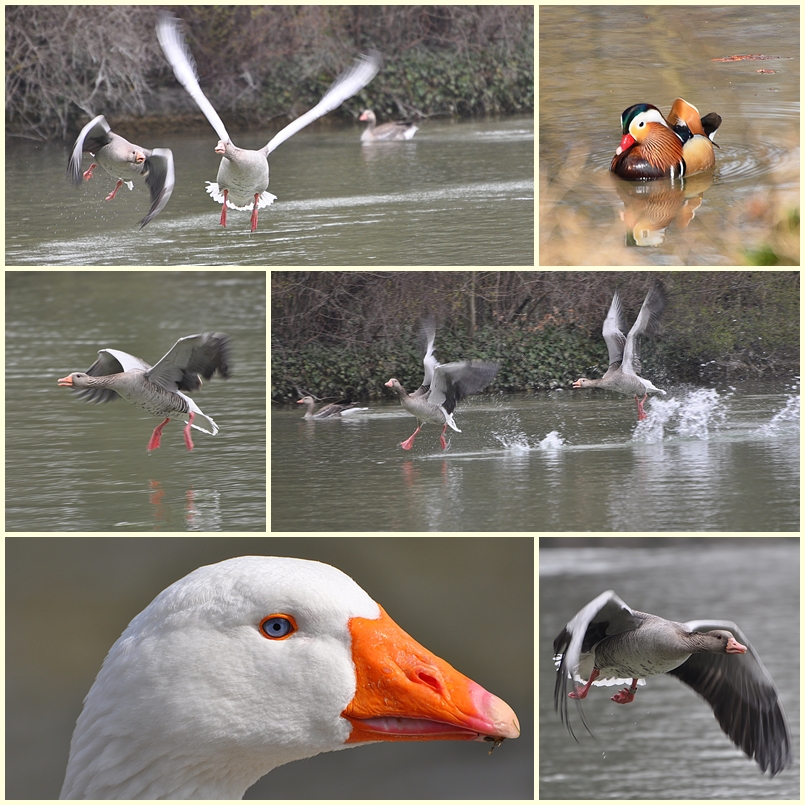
[
  {"x": 258, "y": 63},
  {"x": 344, "y": 334}
]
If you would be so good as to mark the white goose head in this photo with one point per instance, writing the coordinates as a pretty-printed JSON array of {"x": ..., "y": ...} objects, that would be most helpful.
[{"x": 251, "y": 663}]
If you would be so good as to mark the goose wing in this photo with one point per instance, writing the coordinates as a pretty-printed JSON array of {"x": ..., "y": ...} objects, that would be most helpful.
[
  {"x": 181, "y": 60},
  {"x": 349, "y": 83},
  {"x": 743, "y": 696},
  {"x": 190, "y": 360},
  {"x": 92, "y": 137},
  {"x": 607, "y": 614},
  {"x": 646, "y": 323}
]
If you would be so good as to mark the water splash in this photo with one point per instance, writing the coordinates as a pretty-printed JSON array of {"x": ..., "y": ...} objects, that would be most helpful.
[
  {"x": 692, "y": 416},
  {"x": 552, "y": 441},
  {"x": 782, "y": 419}
]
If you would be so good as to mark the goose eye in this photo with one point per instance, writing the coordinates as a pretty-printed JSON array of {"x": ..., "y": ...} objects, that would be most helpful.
[{"x": 277, "y": 627}]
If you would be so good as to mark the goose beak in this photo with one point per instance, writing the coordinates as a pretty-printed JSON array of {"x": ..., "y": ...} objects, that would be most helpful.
[
  {"x": 66, "y": 381},
  {"x": 734, "y": 647},
  {"x": 406, "y": 693}
]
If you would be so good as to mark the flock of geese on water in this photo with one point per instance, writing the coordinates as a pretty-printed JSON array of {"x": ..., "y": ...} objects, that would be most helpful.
[
  {"x": 444, "y": 385},
  {"x": 242, "y": 181}
]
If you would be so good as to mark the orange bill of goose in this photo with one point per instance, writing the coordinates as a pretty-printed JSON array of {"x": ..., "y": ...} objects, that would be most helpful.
[
  {"x": 254, "y": 662},
  {"x": 158, "y": 390}
]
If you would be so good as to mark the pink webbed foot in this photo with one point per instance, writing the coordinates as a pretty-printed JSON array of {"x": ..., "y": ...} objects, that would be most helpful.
[
  {"x": 223, "y": 211},
  {"x": 254, "y": 212},
  {"x": 442, "y": 442},
  {"x": 626, "y": 695},
  {"x": 88, "y": 171},
  {"x": 114, "y": 192},
  {"x": 582, "y": 691},
  {"x": 641, "y": 414},
  {"x": 156, "y": 436},
  {"x": 187, "y": 440},
  {"x": 409, "y": 442}
]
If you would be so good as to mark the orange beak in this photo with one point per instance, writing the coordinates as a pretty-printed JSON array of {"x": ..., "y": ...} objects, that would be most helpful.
[
  {"x": 66, "y": 381},
  {"x": 406, "y": 693}
]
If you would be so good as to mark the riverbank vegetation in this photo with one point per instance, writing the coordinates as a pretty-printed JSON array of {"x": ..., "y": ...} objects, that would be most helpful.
[
  {"x": 65, "y": 64},
  {"x": 344, "y": 334}
]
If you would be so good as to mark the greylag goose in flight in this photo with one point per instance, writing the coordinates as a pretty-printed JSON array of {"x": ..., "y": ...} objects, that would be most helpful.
[
  {"x": 157, "y": 390},
  {"x": 254, "y": 662},
  {"x": 243, "y": 174},
  {"x": 624, "y": 363},
  {"x": 442, "y": 389},
  {"x": 334, "y": 410},
  {"x": 607, "y": 640},
  {"x": 396, "y": 130},
  {"x": 124, "y": 161}
]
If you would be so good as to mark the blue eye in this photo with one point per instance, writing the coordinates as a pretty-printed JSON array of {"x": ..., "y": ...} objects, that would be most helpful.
[{"x": 277, "y": 626}]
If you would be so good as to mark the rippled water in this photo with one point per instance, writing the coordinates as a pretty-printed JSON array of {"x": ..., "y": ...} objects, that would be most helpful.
[
  {"x": 705, "y": 459},
  {"x": 457, "y": 194}
]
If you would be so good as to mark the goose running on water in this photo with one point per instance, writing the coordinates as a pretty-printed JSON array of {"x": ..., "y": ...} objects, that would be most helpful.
[
  {"x": 124, "y": 161},
  {"x": 444, "y": 385},
  {"x": 624, "y": 363},
  {"x": 243, "y": 174},
  {"x": 158, "y": 390},
  {"x": 254, "y": 662},
  {"x": 608, "y": 643}
]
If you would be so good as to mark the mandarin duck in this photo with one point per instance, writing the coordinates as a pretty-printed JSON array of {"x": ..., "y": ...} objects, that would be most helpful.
[{"x": 653, "y": 147}]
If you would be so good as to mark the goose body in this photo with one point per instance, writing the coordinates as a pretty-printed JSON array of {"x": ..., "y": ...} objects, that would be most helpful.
[
  {"x": 443, "y": 387},
  {"x": 158, "y": 390},
  {"x": 254, "y": 662},
  {"x": 386, "y": 132},
  {"x": 607, "y": 642},
  {"x": 242, "y": 181},
  {"x": 624, "y": 362},
  {"x": 334, "y": 410},
  {"x": 124, "y": 161}
]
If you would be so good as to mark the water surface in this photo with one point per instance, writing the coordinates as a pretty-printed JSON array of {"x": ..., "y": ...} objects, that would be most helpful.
[
  {"x": 457, "y": 194},
  {"x": 570, "y": 460}
]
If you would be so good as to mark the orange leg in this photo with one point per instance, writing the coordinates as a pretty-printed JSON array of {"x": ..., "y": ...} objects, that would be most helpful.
[
  {"x": 223, "y": 211},
  {"x": 409, "y": 442},
  {"x": 114, "y": 192},
  {"x": 641, "y": 414},
  {"x": 88, "y": 171},
  {"x": 187, "y": 440},
  {"x": 442, "y": 442},
  {"x": 626, "y": 695},
  {"x": 581, "y": 692},
  {"x": 254, "y": 212},
  {"x": 156, "y": 436}
]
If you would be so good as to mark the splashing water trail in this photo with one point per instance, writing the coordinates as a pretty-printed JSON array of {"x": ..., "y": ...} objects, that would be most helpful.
[
  {"x": 692, "y": 416},
  {"x": 552, "y": 441}
]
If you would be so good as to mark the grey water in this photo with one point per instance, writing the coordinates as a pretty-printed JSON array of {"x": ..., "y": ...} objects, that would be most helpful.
[
  {"x": 73, "y": 466},
  {"x": 705, "y": 459},
  {"x": 667, "y": 744},
  {"x": 457, "y": 194}
]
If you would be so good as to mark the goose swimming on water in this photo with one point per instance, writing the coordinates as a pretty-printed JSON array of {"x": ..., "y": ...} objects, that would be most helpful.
[
  {"x": 607, "y": 642},
  {"x": 158, "y": 390},
  {"x": 254, "y": 662}
]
